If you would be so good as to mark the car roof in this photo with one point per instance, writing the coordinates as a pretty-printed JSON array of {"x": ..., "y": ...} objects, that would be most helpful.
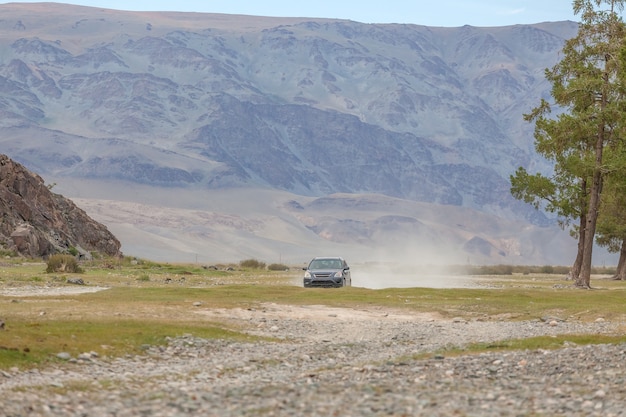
[{"x": 328, "y": 257}]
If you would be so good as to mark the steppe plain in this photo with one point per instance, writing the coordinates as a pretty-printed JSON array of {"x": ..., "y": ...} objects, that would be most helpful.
[{"x": 174, "y": 340}]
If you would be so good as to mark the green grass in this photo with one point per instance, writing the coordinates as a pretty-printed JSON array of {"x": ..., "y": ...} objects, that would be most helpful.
[
  {"x": 37, "y": 342},
  {"x": 148, "y": 302},
  {"x": 532, "y": 343}
]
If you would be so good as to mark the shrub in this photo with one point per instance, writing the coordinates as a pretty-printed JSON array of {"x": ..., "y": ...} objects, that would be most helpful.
[
  {"x": 278, "y": 267},
  {"x": 8, "y": 253},
  {"x": 490, "y": 270},
  {"x": 63, "y": 263},
  {"x": 252, "y": 264}
]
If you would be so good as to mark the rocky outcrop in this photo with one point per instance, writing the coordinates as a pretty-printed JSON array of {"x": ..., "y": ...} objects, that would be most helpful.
[{"x": 36, "y": 222}]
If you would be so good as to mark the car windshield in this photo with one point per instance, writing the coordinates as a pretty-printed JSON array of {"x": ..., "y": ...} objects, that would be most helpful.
[{"x": 325, "y": 264}]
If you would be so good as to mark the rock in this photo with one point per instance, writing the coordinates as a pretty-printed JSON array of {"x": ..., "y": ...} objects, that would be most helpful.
[
  {"x": 548, "y": 319},
  {"x": 37, "y": 222},
  {"x": 75, "y": 281},
  {"x": 64, "y": 356},
  {"x": 87, "y": 356}
]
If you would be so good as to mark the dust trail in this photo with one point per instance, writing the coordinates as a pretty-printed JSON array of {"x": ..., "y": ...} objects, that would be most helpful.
[
  {"x": 378, "y": 277},
  {"x": 416, "y": 263}
]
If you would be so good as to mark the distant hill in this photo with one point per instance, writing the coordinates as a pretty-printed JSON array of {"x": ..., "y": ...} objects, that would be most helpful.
[{"x": 308, "y": 107}]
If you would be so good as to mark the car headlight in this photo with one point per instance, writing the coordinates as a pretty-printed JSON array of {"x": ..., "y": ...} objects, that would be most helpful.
[
  {"x": 307, "y": 274},
  {"x": 338, "y": 274}
]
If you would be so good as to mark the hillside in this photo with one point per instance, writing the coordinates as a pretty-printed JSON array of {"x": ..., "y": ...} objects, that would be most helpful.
[
  {"x": 37, "y": 222},
  {"x": 205, "y": 105}
]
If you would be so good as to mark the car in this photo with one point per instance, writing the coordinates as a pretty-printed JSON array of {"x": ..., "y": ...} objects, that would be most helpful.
[{"x": 327, "y": 272}]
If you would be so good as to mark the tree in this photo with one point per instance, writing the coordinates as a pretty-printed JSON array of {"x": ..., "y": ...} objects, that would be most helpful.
[
  {"x": 587, "y": 87},
  {"x": 612, "y": 235},
  {"x": 611, "y": 230},
  {"x": 561, "y": 194}
]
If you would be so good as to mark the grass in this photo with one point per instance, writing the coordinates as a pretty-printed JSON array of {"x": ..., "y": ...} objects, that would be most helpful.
[
  {"x": 37, "y": 342},
  {"x": 532, "y": 343},
  {"x": 148, "y": 302}
]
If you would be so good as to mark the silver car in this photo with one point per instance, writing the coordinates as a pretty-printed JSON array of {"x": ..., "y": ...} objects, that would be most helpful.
[{"x": 327, "y": 272}]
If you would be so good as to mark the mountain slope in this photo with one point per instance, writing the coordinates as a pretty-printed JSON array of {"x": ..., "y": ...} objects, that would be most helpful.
[{"x": 310, "y": 107}]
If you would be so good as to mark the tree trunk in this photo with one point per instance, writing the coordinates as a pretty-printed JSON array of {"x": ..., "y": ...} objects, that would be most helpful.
[
  {"x": 620, "y": 273},
  {"x": 584, "y": 278},
  {"x": 575, "y": 271}
]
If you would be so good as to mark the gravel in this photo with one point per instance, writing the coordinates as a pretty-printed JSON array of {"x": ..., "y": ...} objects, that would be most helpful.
[{"x": 336, "y": 362}]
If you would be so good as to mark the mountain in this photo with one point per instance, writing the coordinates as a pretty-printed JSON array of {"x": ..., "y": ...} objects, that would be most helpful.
[
  {"x": 37, "y": 222},
  {"x": 296, "y": 114}
]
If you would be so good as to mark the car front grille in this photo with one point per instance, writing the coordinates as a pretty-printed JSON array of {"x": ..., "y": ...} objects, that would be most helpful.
[{"x": 323, "y": 284}]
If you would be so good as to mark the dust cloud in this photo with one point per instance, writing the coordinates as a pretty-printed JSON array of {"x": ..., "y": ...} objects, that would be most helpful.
[
  {"x": 407, "y": 265},
  {"x": 404, "y": 276}
]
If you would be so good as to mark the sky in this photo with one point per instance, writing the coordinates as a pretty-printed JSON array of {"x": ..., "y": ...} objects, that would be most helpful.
[{"x": 448, "y": 13}]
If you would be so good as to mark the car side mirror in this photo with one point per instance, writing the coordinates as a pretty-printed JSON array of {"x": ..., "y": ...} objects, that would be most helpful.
[{"x": 347, "y": 268}]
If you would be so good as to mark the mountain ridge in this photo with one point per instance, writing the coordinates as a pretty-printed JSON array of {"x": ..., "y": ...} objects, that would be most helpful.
[{"x": 311, "y": 107}]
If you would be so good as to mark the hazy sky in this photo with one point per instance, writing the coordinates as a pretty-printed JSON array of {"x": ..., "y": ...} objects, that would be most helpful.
[{"x": 422, "y": 12}]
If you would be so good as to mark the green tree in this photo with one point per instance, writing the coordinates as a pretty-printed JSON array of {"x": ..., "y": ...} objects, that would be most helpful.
[
  {"x": 587, "y": 87},
  {"x": 611, "y": 230}
]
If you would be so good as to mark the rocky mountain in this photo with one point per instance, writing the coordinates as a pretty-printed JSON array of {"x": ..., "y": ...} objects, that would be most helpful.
[
  {"x": 309, "y": 107},
  {"x": 37, "y": 222}
]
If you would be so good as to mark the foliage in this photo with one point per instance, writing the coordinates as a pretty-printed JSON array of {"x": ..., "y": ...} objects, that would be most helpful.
[
  {"x": 277, "y": 267},
  {"x": 585, "y": 140},
  {"x": 144, "y": 278},
  {"x": 252, "y": 264},
  {"x": 7, "y": 253},
  {"x": 63, "y": 263}
]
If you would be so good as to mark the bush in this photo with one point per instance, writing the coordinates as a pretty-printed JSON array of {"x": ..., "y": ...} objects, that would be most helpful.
[
  {"x": 63, "y": 263},
  {"x": 490, "y": 270},
  {"x": 6, "y": 253},
  {"x": 144, "y": 278},
  {"x": 278, "y": 267},
  {"x": 252, "y": 264}
]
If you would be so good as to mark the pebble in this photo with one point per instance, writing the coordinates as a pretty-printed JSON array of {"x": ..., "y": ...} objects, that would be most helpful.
[{"x": 336, "y": 367}]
